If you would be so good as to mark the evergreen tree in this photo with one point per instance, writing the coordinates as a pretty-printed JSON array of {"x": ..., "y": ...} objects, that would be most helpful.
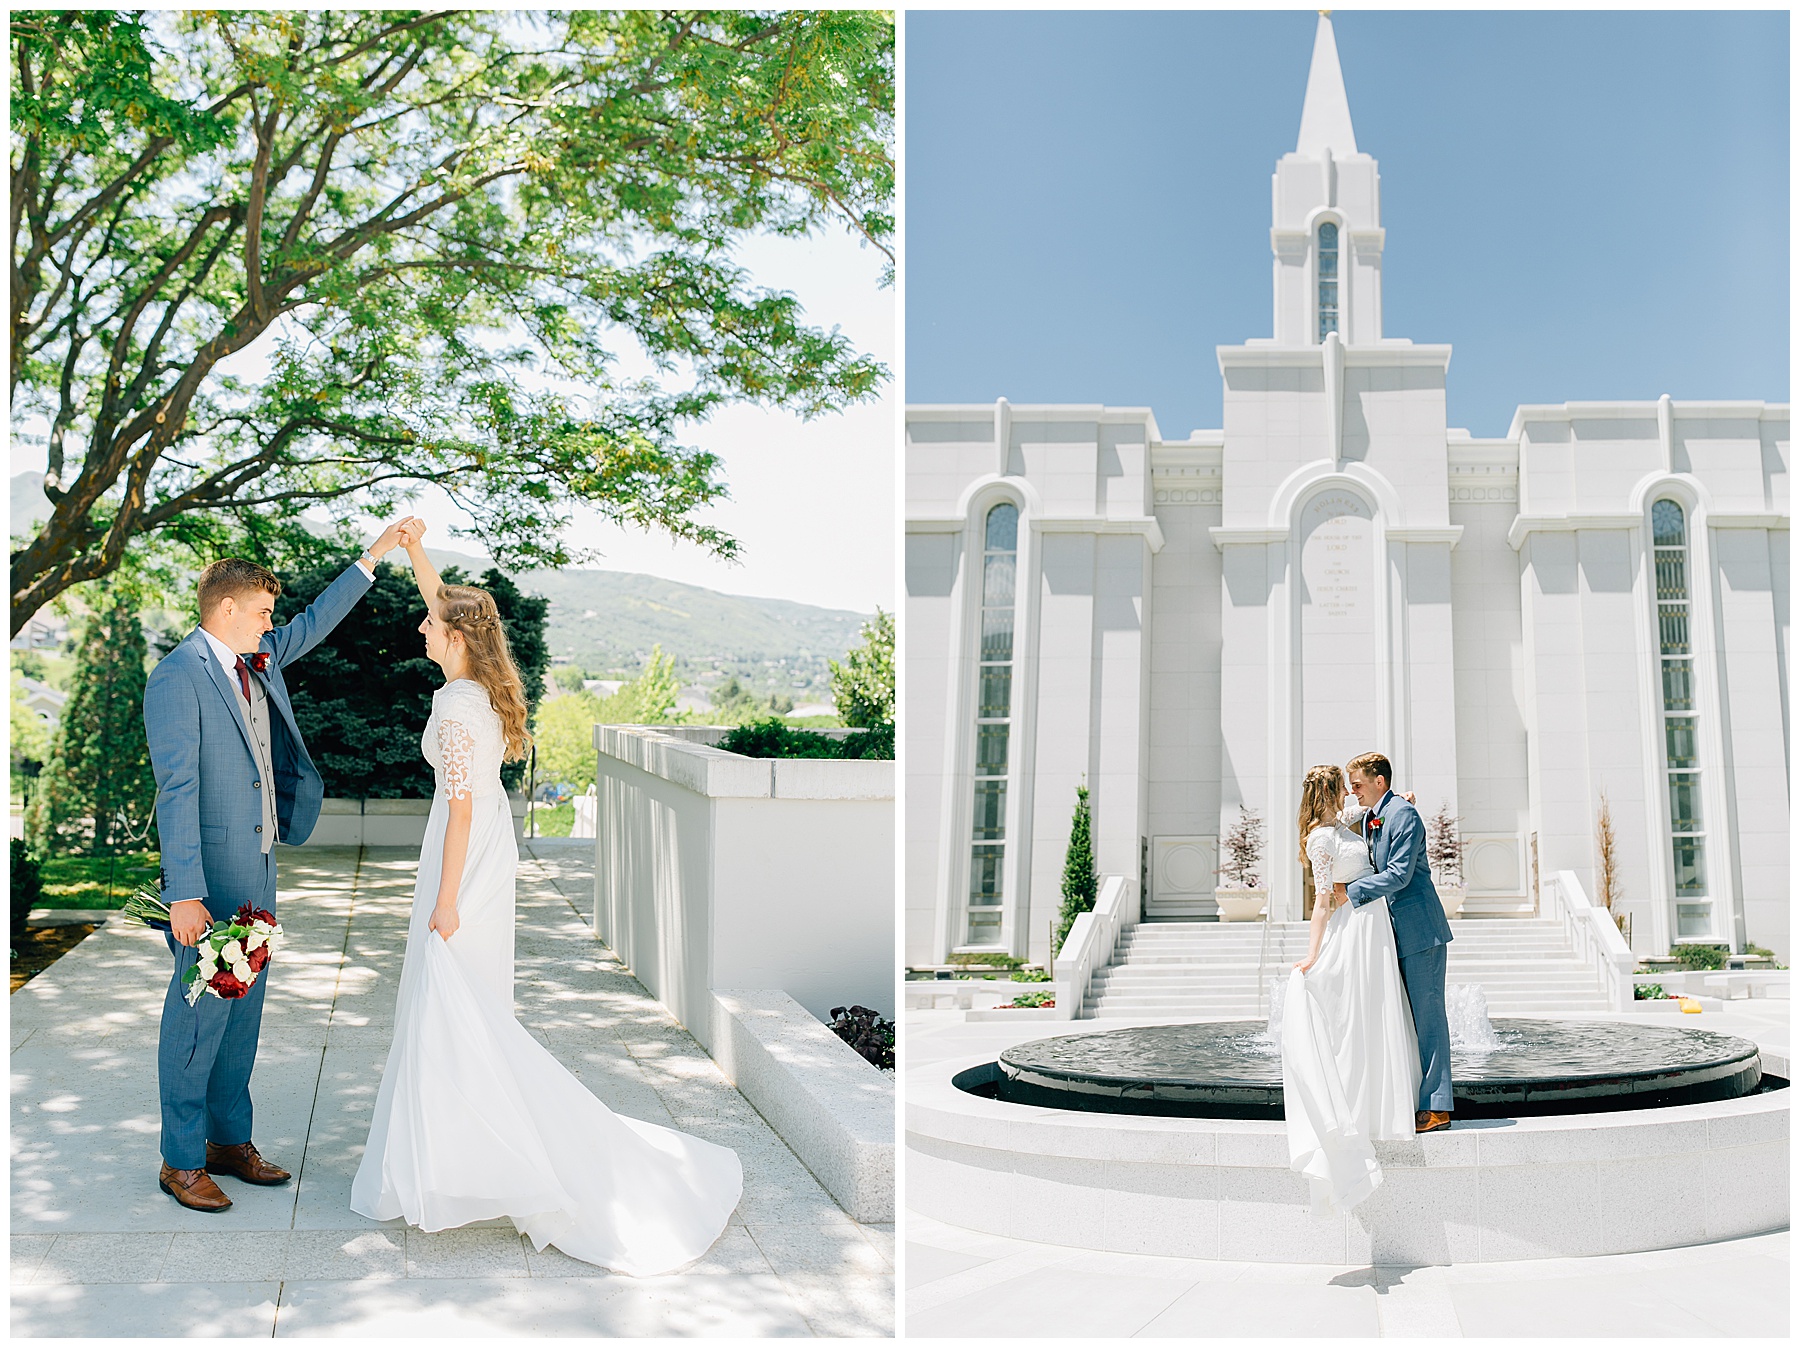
[
  {"x": 1080, "y": 882},
  {"x": 863, "y": 686},
  {"x": 97, "y": 791},
  {"x": 362, "y": 696}
]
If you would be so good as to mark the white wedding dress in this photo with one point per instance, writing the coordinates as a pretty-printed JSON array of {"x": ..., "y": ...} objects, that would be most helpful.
[
  {"x": 1349, "y": 1054},
  {"x": 475, "y": 1119}
]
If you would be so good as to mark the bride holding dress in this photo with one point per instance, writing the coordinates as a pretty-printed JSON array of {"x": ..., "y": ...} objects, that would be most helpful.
[
  {"x": 475, "y": 1119},
  {"x": 1349, "y": 1053}
]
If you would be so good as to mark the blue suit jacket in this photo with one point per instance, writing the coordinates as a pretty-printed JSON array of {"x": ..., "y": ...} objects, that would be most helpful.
[
  {"x": 208, "y": 797},
  {"x": 1403, "y": 877}
]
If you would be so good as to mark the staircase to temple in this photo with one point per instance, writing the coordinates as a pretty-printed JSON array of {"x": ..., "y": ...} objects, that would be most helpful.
[{"x": 1208, "y": 970}]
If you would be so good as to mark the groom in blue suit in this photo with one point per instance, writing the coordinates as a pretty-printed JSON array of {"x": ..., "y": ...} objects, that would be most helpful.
[
  {"x": 1402, "y": 876},
  {"x": 232, "y": 779}
]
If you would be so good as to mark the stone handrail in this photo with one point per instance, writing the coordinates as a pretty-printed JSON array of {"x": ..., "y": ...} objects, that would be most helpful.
[
  {"x": 1594, "y": 934},
  {"x": 1089, "y": 944}
]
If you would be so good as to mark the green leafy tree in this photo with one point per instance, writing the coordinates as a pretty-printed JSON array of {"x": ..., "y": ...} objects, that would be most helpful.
[
  {"x": 362, "y": 696},
  {"x": 564, "y": 730},
  {"x": 863, "y": 686},
  {"x": 1080, "y": 882},
  {"x": 407, "y": 210},
  {"x": 30, "y": 736},
  {"x": 97, "y": 790}
]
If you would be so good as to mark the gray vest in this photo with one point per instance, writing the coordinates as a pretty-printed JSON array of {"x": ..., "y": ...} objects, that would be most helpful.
[{"x": 256, "y": 715}]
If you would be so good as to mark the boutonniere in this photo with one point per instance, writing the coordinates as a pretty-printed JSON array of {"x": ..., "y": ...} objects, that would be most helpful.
[{"x": 259, "y": 662}]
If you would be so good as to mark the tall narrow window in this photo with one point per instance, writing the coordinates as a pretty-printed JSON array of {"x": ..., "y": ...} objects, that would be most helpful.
[
  {"x": 1328, "y": 279},
  {"x": 993, "y": 724},
  {"x": 1668, "y": 529}
]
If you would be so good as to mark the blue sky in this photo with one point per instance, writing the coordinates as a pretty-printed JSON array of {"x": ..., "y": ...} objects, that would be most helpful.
[{"x": 1587, "y": 206}]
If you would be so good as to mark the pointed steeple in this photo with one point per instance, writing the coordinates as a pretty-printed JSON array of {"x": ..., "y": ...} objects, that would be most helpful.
[{"x": 1325, "y": 116}]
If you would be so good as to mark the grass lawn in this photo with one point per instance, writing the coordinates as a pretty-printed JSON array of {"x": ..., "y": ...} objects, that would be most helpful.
[
  {"x": 553, "y": 821},
  {"x": 96, "y": 882}
]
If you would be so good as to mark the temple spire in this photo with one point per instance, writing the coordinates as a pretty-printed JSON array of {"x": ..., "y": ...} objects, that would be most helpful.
[{"x": 1325, "y": 116}]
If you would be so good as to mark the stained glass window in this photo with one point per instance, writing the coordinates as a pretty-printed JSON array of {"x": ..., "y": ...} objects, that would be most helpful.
[
  {"x": 1328, "y": 279},
  {"x": 1681, "y": 730},
  {"x": 993, "y": 727}
]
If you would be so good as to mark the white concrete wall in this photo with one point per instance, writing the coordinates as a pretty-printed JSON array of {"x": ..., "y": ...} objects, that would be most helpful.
[{"x": 717, "y": 871}]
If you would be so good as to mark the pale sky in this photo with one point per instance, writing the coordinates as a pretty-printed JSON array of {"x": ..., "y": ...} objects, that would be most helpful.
[{"x": 1586, "y": 205}]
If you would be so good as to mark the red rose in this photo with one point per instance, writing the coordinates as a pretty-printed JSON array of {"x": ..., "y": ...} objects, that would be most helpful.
[
  {"x": 260, "y": 662},
  {"x": 257, "y": 958},
  {"x": 227, "y": 984}
]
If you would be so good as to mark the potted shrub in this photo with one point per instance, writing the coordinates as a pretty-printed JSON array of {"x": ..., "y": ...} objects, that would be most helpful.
[
  {"x": 1444, "y": 850},
  {"x": 1242, "y": 897}
]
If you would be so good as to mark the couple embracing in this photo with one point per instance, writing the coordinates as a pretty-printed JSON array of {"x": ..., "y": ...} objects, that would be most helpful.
[
  {"x": 1365, "y": 1040},
  {"x": 474, "y": 1118}
]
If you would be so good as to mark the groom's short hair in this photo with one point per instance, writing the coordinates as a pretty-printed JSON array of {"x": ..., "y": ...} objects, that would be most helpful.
[
  {"x": 233, "y": 578},
  {"x": 1372, "y": 765}
]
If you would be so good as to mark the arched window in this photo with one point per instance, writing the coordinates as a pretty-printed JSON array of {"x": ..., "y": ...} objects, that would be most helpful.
[
  {"x": 1681, "y": 740},
  {"x": 1328, "y": 279},
  {"x": 993, "y": 725}
]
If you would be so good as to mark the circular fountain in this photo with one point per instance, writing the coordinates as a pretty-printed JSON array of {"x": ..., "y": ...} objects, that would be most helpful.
[
  {"x": 1572, "y": 1137},
  {"x": 1232, "y": 1070}
]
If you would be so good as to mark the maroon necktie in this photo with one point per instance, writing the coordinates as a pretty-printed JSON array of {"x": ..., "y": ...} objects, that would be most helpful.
[{"x": 243, "y": 673}]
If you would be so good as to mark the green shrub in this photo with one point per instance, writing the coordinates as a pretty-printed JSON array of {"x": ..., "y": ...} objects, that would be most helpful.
[
  {"x": 965, "y": 958},
  {"x": 1080, "y": 882},
  {"x": 1700, "y": 956},
  {"x": 771, "y": 738},
  {"x": 1032, "y": 976},
  {"x": 1647, "y": 992},
  {"x": 1034, "y": 999},
  {"x": 26, "y": 887}
]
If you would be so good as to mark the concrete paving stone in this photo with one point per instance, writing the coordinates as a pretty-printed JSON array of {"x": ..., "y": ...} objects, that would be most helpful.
[
  {"x": 840, "y": 1306},
  {"x": 110, "y": 1256},
  {"x": 1418, "y": 1313},
  {"x": 1597, "y": 1306},
  {"x": 1240, "y": 1310},
  {"x": 481, "y": 1252},
  {"x": 376, "y": 1253},
  {"x": 28, "y": 1252},
  {"x": 1050, "y": 1302},
  {"x": 881, "y": 1236},
  {"x": 225, "y": 1256},
  {"x": 149, "y": 1310},
  {"x": 817, "y": 1249},
  {"x": 927, "y": 1263}
]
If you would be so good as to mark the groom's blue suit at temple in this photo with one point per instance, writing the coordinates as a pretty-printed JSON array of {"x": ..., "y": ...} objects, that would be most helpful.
[
  {"x": 209, "y": 815},
  {"x": 1421, "y": 936}
]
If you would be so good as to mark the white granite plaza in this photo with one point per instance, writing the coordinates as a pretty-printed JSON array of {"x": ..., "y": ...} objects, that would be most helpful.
[{"x": 98, "y": 1251}]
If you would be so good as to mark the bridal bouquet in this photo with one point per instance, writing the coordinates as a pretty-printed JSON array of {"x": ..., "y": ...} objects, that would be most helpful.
[{"x": 233, "y": 952}]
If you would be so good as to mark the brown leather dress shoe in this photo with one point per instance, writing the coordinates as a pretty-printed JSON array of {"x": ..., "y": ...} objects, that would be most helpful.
[
  {"x": 192, "y": 1189},
  {"x": 1430, "y": 1120},
  {"x": 243, "y": 1163}
]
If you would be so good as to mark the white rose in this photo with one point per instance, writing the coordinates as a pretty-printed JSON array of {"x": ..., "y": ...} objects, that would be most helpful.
[
  {"x": 256, "y": 939},
  {"x": 233, "y": 953},
  {"x": 242, "y": 970}
]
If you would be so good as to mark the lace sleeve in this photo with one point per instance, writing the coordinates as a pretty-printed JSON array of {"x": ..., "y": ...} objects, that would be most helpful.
[
  {"x": 1318, "y": 852},
  {"x": 1351, "y": 816},
  {"x": 457, "y": 748}
]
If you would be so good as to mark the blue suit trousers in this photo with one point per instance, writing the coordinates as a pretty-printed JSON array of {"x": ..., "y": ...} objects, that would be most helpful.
[
  {"x": 1423, "y": 974},
  {"x": 207, "y": 1051}
]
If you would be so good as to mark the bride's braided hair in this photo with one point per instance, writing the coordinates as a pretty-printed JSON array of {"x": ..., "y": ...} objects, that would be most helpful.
[
  {"x": 471, "y": 611},
  {"x": 1321, "y": 799}
]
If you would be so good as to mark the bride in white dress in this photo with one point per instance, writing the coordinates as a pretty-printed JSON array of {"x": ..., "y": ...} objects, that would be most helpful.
[
  {"x": 1349, "y": 1053},
  {"x": 475, "y": 1118}
]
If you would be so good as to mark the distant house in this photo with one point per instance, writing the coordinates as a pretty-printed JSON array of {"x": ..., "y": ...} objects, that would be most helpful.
[
  {"x": 814, "y": 709},
  {"x": 602, "y": 687},
  {"x": 46, "y": 701}
]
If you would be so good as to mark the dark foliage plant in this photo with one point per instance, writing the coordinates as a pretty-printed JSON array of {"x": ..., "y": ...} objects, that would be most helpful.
[
  {"x": 866, "y": 1031},
  {"x": 1700, "y": 956},
  {"x": 1081, "y": 882},
  {"x": 27, "y": 887},
  {"x": 362, "y": 696},
  {"x": 771, "y": 738}
]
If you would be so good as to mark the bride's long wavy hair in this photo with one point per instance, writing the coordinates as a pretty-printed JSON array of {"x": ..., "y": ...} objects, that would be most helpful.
[
  {"x": 1321, "y": 798},
  {"x": 472, "y": 612}
]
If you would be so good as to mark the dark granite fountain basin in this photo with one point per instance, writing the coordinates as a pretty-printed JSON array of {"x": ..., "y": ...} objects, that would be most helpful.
[{"x": 1231, "y": 1070}]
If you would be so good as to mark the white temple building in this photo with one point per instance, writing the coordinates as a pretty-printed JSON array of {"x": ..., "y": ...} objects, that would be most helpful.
[{"x": 1595, "y": 603}]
